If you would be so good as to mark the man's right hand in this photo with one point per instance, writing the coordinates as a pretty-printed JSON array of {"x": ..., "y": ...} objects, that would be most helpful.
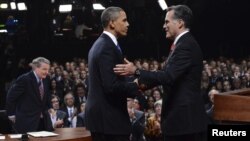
[{"x": 12, "y": 118}]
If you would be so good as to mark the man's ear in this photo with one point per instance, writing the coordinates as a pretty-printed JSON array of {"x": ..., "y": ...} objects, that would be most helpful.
[
  {"x": 181, "y": 23},
  {"x": 112, "y": 24}
]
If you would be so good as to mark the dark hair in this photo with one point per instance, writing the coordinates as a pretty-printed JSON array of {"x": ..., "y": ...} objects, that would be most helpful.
[
  {"x": 182, "y": 12},
  {"x": 80, "y": 85},
  {"x": 109, "y": 14},
  {"x": 55, "y": 96}
]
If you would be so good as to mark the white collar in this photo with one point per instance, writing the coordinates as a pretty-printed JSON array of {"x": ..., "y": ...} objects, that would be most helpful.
[
  {"x": 70, "y": 108},
  {"x": 179, "y": 36},
  {"x": 113, "y": 38},
  {"x": 37, "y": 78}
]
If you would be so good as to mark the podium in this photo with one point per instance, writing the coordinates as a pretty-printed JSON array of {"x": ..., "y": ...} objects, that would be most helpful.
[
  {"x": 232, "y": 107},
  {"x": 65, "y": 134}
]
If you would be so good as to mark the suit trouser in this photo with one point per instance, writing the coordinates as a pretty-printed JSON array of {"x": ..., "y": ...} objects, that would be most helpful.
[
  {"x": 104, "y": 137},
  {"x": 202, "y": 136},
  {"x": 41, "y": 126}
]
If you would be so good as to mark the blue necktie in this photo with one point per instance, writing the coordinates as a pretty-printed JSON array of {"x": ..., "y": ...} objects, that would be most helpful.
[{"x": 118, "y": 47}]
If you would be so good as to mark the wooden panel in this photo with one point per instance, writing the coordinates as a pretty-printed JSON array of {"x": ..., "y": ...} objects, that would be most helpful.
[
  {"x": 72, "y": 134},
  {"x": 65, "y": 134},
  {"x": 232, "y": 106},
  {"x": 243, "y": 92}
]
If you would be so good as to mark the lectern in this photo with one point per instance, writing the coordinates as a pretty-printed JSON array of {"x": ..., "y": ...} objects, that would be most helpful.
[{"x": 233, "y": 106}]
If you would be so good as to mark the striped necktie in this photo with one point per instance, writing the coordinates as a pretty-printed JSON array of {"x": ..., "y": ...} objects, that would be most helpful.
[{"x": 41, "y": 89}]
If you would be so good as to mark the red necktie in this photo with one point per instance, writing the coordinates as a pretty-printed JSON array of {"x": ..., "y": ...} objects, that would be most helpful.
[
  {"x": 172, "y": 47},
  {"x": 41, "y": 89},
  {"x": 171, "y": 51}
]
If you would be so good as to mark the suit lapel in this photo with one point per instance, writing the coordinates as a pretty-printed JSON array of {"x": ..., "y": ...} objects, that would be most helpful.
[
  {"x": 118, "y": 52},
  {"x": 178, "y": 45},
  {"x": 35, "y": 86}
]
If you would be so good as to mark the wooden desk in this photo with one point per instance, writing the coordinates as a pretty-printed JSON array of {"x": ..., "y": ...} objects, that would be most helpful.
[
  {"x": 233, "y": 106},
  {"x": 65, "y": 134}
]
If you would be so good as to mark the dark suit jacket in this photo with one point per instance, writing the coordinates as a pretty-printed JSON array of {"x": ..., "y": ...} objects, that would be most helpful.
[
  {"x": 24, "y": 101},
  {"x": 183, "y": 110},
  {"x": 80, "y": 120},
  {"x": 67, "y": 122},
  {"x": 138, "y": 126},
  {"x": 106, "y": 106}
]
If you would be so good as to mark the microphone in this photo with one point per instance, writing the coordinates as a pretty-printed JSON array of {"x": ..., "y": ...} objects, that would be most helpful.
[
  {"x": 24, "y": 137},
  {"x": 14, "y": 130}
]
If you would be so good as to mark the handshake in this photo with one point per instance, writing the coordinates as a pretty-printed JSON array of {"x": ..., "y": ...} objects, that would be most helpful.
[{"x": 128, "y": 69}]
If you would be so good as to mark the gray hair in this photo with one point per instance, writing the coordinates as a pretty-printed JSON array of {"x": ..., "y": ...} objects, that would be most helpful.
[
  {"x": 158, "y": 103},
  {"x": 69, "y": 94},
  {"x": 36, "y": 63},
  {"x": 182, "y": 12},
  {"x": 213, "y": 91},
  {"x": 110, "y": 14}
]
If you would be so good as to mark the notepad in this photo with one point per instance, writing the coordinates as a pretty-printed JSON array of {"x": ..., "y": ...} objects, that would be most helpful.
[
  {"x": 42, "y": 134},
  {"x": 15, "y": 136},
  {"x": 2, "y": 137}
]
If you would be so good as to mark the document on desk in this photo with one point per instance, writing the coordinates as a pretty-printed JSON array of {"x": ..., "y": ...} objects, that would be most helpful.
[
  {"x": 42, "y": 134},
  {"x": 2, "y": 137},
  {"x": 15, "y": 136}
]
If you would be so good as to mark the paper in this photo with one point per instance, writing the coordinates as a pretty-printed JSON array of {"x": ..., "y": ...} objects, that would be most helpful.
[
  {"x": 42, "y": 134},
  {"x": 15, "y": 136},
  {"x": 2, "y": 137}
]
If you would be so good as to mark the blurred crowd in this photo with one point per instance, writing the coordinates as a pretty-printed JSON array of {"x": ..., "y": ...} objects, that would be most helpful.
[{"x": 69, "y": 88}]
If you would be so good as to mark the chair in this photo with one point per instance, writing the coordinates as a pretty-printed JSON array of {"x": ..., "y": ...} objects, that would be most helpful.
[{"x": 5, "y": 124}]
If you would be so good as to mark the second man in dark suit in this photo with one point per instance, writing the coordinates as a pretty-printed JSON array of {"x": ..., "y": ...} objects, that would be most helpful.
[
  {"x": 106, "y": 114},
  {"x": 28, "y": 98},
  {"x": 183, "y": 115}
]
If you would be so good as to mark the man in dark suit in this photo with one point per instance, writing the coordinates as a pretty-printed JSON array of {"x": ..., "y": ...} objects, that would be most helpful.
[
  {"x": 28, "y": 98},
  {"x": 70, "y": 109},
  {"x": 80, "y": 95},
  {"x": 106, "y": 114},
  {"x": 138, "y": 126},
  {"x": 183, "y": 113},
  {"x": 137, "y": 119}
]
